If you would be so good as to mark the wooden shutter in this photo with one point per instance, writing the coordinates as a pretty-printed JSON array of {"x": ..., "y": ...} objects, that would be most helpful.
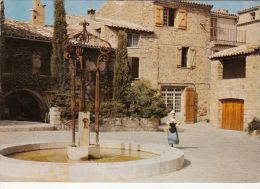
[
  {"x": 191, "y": 58},
  {"x": 158, "y": 15},
  {"x": 213, "y": 29},
  {"x": 181, "y": 19},
  {"x": 178, "y": 56},
  {"x": 190, "y": 105}
]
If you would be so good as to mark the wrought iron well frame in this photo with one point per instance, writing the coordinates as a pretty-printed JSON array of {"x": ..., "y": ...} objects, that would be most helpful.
[{"x": 74, "y": 51}]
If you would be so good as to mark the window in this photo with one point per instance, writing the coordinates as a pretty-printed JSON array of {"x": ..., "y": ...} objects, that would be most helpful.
[
  {"x": 172, "y": 97},
  {"x": 35, "y": 17},
  {"x": 134, "y": 67},
  {"x": 184, "y": 57},
  {"x": 36, "y": 63},
  {"x": 252, "y": 14},
  {"x": 165, "y": 16},
  {"x": 168, "y": 17},
  {"x": 234, "y": 68},
  {"x": 133, "y": 39}
]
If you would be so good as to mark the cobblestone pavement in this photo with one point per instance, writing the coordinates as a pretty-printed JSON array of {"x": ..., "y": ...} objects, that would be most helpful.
[{"x": 211, "y": 154}]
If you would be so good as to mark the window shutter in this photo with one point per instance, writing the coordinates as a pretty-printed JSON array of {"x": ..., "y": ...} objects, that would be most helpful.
[
  {"x": 191, "y": 58},
  {"x": 181, "y": 19},
  {"x": 190, "y": 105},
  {"x": 158, "y": 15},
  {"x": 178, "y": 56}
]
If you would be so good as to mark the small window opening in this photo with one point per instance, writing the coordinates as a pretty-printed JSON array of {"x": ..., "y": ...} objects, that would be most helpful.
[
  {"x": 252, "y": 15},
  {"x": 184, "y": 54},
  {"x": 35, "y": 17},
  {"x": 135, "y": 68},
  {"x": 171, "y": 17},
  {"x": 234, "y": 68},
  {"x": 168, "y": 17},
  {"x": 132, "y": 39}
]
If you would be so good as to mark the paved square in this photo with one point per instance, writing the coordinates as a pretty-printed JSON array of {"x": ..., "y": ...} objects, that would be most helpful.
[{"x": 211, "y": 154}]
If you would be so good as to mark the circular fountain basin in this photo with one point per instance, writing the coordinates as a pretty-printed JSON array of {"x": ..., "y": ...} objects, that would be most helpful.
[{"x": 132, "y": 160}]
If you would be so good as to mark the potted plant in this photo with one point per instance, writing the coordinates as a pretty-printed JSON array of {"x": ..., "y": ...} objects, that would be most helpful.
[{"x": 254, "y": 127}]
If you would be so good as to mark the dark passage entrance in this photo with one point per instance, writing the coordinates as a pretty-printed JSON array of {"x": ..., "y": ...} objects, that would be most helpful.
[{"x": 24, "y": 105}]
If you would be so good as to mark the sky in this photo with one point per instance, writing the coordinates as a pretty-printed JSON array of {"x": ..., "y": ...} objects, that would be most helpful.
[{"x": 20, "y": 9}]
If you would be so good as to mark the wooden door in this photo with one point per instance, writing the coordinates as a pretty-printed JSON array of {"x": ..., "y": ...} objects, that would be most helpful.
[
  {"x": 190, "y": 105},
  {"x": 233, "y": 114}
]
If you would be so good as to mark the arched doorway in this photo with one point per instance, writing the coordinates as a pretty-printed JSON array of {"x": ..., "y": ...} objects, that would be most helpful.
[{"x": 24, "y": 105}]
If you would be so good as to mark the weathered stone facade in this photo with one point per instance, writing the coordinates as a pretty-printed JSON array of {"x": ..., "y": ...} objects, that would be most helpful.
[
  {"x": 246, "y": 89},
  {"x": 158, "y": 51},
  {"x": 249, "y": 20}
]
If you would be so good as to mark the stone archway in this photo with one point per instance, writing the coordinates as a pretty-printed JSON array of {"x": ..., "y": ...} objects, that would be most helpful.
[{"x": 24, "y": 105}]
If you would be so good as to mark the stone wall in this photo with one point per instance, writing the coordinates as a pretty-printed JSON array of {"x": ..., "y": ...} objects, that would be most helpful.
[
  {"x": 157, "y": 51},
  {"x": 247, "y": 89},
  {"x": 129, "y": 124},
  {"x": 121, "y": 124}
]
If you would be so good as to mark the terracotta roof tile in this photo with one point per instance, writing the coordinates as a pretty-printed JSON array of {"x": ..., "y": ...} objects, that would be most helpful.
[
  {"x": 125, "y": 25},
  {"x": 236, "y": 51},
  {"x": 249, "y": 9},
  {"x": 185, "y": 2},
  {"x": 25, "y": 30}
]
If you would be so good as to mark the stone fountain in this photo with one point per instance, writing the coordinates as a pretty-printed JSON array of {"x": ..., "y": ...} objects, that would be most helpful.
[{"x": 84, "y": 149}]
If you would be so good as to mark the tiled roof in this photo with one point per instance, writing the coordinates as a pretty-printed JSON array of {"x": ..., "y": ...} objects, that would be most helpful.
[
  {"x": 97, "y": 22},
  {"x": 236, "y": 51},
  {"x": 249, "y": 9},
  {"x": 187, "y": 2},
  {"x": 230, "y": 15},
  {"x": 25, "y": 30},
  {"x": 124, "y": 25}
]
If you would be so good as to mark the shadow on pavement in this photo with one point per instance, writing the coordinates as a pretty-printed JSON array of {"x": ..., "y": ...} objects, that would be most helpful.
[
  {"x": 186, "y": 163},
  {"x": 183, "y": 148}
]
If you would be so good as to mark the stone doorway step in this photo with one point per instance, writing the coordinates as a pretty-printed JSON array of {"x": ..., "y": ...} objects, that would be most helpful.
[{"x": 13, "y": 126}]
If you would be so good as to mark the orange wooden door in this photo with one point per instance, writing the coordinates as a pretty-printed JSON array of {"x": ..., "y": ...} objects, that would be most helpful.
[
  {"x": 233, "y": 114},
  {"x": 190, "y": 104}
]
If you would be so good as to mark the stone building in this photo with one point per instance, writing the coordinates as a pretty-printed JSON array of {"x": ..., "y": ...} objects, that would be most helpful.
[
  {"x": 25, "y": 74},
  {"x": 235, "y": 87},
  {"x": 224, "y": 32},
  {"x": 170, "y": 50},
  {"x": 249, "y": 20}
]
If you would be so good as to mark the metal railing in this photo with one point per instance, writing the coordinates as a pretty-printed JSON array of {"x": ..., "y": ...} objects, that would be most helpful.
[{"x": 226, "y": 34}]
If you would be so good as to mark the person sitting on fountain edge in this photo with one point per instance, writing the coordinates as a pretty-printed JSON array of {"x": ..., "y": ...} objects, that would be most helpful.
[{"x": 172, "y": 122}]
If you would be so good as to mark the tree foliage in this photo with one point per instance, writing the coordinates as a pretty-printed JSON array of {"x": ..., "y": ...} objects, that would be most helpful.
[
  {"x": 144, "y": 101},
  {"x": 121, "y": 78},
  {"x": 59, "y": 68},
  {"x": 2, "y": 53},
  {"x": 2, "y": 45}
]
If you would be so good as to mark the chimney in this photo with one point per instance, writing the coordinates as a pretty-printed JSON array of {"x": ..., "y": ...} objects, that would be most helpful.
[
  {"x": 38, "y": 13},
  {"x": 91, "y": 14}
]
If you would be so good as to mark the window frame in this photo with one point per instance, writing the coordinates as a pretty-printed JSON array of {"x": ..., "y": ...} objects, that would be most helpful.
[
  {"x": 132, "y": 44},
  {"x": 187, "y": 49},
  {"x": 131, "y": 63},
  {"x": 174, "y": 94},
  {"x": 166, "y": 17}
]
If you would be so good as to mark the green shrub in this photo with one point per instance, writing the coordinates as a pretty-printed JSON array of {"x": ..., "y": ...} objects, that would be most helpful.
[
  {"x": 144, "y": 101},
  {"x": 112, "y": 109},
  {"x": 254, "y": 125}
]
